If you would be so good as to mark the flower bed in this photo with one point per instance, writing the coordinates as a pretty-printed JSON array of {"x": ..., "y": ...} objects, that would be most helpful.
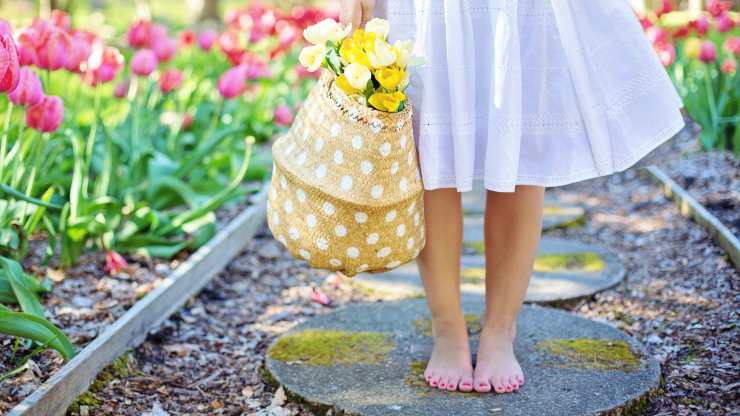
[
  {"x": 700, "y": 53},
  {"x": 139, "y": 146}
]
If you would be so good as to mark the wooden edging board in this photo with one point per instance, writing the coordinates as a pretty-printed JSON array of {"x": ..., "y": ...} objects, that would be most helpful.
[
  {"x": 690, "y": 207},
  {"x": 55, "y": 395}
]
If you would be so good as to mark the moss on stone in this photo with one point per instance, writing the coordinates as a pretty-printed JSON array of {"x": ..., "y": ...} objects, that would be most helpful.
[
  {"x": 117, "y": 369},
  {"x": 473, "y": 275},
  {"x": 415, "y": 378},
  {"x": 329, "y": 347},
  {"x": 423, "y": 326},
  {"x": 560, "y": 262},
  {"x": 588, "y": 353}
]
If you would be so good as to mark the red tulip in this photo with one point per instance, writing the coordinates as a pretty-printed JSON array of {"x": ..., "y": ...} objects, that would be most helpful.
[
  {"x": 664, "y": 8},
  {"x": 187, "y": 37},
  {"x": 283, "y": 116},
  {"x": 114, "y": 262},
  {"x": 55, "y": 51},
  {"x": 724, "y": 23},
  {"x": 206, "y": 39},
  {"x": 681, "y": 32},
  {"x": 29, "y": 91},
  {"x": 732, "y": 45},
  {"x": 47, "y": 115},
  {"x": 708, "y": 52},
  {"x": 169, "y": 80},
  {"x": 701, "y": 25},
  {"x": 103, "y": 65},
  {"x": 121, "y": 89},
  {"x": 9, "y": 68},
  {"x": 231, "y": 46},
  {"x": 728, "y": 66},
  {"x": 60, "y": 19},
  {"x": 233, "y": 82},
  {"x": 187, "y": 121},
  {"x": 5, "y": 28},
  {"x": 144, "y": 62},
  {"x": 165, "y": 48}
]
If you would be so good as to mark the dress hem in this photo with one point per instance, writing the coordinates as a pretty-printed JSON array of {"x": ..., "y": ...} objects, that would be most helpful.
[{"x": 554, "y": 181}]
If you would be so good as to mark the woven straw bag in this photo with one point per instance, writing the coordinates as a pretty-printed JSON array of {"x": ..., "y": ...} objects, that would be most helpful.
[{"x": 346, "y": 194}]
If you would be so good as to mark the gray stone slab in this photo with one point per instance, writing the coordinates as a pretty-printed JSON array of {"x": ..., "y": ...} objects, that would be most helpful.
[
  {"x": 545, "y": 286},
  {"x": 556, "y": 214},
  {"x": 393, "y": 384}
]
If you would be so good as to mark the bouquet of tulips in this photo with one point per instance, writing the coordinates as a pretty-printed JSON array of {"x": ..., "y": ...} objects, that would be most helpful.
[{"x": 367, "y": 67}]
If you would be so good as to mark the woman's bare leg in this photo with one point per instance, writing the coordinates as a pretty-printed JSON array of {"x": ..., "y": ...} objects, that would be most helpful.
[
  {"x": 513, "y": 225},
  {"x": 450, "y": 366}
]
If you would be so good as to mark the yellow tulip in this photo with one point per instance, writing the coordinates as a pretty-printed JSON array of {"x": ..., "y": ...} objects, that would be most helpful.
[
  {"x": 387, "y": 102},
  {"x": 692, "y": 48},
  {"x": 351, "y": 53},
  {"x": 345, "y": 86},
  {"x": 390, "y": 78}
]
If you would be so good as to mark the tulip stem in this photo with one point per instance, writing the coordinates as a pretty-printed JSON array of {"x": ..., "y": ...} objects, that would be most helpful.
[
  {"x": 712, "y": 104},
  {"x": 4, "y": 140},
  {"x": 90, "y": 145}
]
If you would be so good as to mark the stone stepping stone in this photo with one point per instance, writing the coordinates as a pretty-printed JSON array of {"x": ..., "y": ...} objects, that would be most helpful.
[
  {"x": 555, "y": 215},
  {"x": 564, "y": 271},
  {"x": 368, "y": 359}
]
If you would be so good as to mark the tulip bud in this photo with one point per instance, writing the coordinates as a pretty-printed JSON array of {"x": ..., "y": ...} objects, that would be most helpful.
[
  {"x": 121, "y": 89},
  {"x": 732, "y": 45},
  {"x": 186, "y": 37},
  {"x": 29, "y": 91},
  {"x": 169, "y": 80},
  {"x": 5, "y": 28},
  {"x": 54, "y": 53},
  {"x": 47, "y": 115},
  {"x": 283, "y": 116},
  {"x": 724, "y": 23},
  {"x": 233, "y": 82},
  {"x": 729, "y": 66},
  {"x": 708, "y": 52},
  {"x": 144, "y": 62},
  {"x": 114, "y": 262},
  {"x": 9, "y": 68},
  {"x": 206, "y": 39}
]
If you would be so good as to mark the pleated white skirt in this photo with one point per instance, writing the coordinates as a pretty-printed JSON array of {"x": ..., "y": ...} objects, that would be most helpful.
[{"x": 531, "y": 92}]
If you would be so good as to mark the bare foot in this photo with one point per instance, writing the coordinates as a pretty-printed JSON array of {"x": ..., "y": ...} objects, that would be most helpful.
[
  {"x": 450, "y": 367},
  {"x": 496, "y": 366}
]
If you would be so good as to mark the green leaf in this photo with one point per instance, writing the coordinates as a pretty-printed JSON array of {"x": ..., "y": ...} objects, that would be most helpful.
[{"x": 35, "y": 328}]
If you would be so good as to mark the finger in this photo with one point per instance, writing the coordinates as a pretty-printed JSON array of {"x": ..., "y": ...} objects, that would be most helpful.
[
  {"x": 356, "y": 16},
  {"x": 345, "y": 12},
  {"x": 368, "y": 7}
]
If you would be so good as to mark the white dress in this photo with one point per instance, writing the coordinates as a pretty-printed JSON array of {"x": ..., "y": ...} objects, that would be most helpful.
[{"x": 531, "y": 92}]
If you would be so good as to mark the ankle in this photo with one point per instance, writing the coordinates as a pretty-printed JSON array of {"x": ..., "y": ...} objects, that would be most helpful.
[
  {"x": 505, "y": 330},
  {"x": 449, "y": 328}
]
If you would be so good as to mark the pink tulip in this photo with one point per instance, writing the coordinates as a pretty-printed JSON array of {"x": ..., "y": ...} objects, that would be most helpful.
[
  {"x": 9, "y": 67},
  {"x": 729, "y": 66},
  {"x": 47, "y": 115},
  {"x": 732, "y": 45},
  {"x": 169, "y": 80},
  {"x": 29, "y": 91},
  {"x": 233, "y": 82},
  {"x": 231, "y": 46},
  {"x": 121, "y": 89},
  {"x": 5, "y": 28},
  {"x": 320, "y": 297},
  {"x": 114, "y": 262},
  {"x": 724, "y": 23},
  {"x": 55, "y": 51},
  {"x": 139, "y": 34},
  {"x": 701, "y": 25},
  {"x": 667, "y": 54},
  {"x": 283, "y": 116},
  {"x": 665, "y": 7},
  {"x": 656, "y": 35},
  {"x": 708, "y": 52},
  {"x": 103, "y": 65},
  {"x": 187, "y": 122},
  {"x": 718, "y": 7},
  {"x": 165, "y": 48},
  {"x": 144, "y": 62},
  {"x": 206, "y": 39},
  {"x": 81, "y": 47}
]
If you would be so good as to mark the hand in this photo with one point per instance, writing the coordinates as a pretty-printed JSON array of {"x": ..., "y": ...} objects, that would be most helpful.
[{"x": 356, "y": 12}]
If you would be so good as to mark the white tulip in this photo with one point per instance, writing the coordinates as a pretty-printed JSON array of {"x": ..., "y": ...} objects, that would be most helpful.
[
  {"x": 357, "y": 75},
  {"x": 312, "y": 57},
  {"x": 380, "y": 27},
  {"x": 326, "y": 30},
  {"x": 382, "y": 55},
  {"x": 404, "y": 49}
]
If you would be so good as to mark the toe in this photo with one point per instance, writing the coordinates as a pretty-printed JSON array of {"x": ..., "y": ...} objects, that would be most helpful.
[
  {"x": 466, "y": 384},
  {"x": 453, "y": 384},
  {"x": 433, "y": 380},
  {"x": 513, "y": 382},
  {"x": 498, "y": 386}
]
